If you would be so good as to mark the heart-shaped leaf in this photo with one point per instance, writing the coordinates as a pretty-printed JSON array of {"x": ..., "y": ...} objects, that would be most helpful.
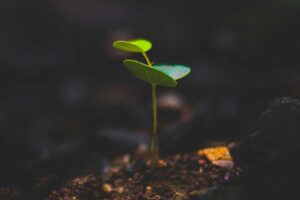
[
  {"x": 149, "y": 74},
  {"x": 175, "y": 71},
  {"x": 137, "y": 45}
]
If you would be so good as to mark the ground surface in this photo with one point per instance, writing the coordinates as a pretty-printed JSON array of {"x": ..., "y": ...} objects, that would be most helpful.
[{"x": 186, "y": 176}]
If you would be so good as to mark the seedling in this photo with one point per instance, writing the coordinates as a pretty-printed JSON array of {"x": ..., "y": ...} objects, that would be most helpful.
[{"x": 164, "y": 75}]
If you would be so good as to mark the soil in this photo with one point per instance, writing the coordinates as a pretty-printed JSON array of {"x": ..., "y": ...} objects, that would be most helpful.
[{"x": 180, "y": 177}]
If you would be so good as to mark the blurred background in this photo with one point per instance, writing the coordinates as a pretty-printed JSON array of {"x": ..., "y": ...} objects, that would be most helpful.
[{"x": 67, "y": 104}]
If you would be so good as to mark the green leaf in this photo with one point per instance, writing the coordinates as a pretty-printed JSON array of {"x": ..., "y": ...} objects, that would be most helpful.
[
  {"x": 138, "y": 45},
  {"x": 149, "y": 74},
  {"x": 175, "y": 71}
]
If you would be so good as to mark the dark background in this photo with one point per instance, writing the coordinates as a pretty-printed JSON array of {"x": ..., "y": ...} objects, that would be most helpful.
[{"x": 66, "y": 101}]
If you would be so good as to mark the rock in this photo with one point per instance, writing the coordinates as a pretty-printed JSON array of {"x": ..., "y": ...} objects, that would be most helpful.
[
  {"x": 271, "y": 153},
  {"x": 277, "y": 134}
]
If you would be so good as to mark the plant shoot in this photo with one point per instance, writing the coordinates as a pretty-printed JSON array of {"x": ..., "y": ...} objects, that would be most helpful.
[{"x": 163, "y": 75}]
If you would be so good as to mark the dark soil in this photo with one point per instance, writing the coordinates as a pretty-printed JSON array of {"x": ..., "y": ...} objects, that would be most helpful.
[{"x": 186, "y": 176}]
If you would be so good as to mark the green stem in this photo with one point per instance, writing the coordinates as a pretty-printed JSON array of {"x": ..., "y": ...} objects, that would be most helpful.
[
  {"x": 147, "y": 59},
  {"x": 154, "y": 142}
]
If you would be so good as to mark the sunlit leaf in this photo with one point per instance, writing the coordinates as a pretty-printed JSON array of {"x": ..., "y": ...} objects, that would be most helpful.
[
  {"x": 149, "y": 74},
  {"x": 137, "y": 45},
  {"x": 175, "y": 71}
]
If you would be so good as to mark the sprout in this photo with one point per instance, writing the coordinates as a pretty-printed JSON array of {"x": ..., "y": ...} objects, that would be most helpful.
[{"x": 164, "y": 75}]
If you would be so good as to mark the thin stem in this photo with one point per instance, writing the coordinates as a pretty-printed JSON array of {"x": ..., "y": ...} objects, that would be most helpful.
[
  {"x": 154, "y": 141},
  {"x": 147, "y": 59}
]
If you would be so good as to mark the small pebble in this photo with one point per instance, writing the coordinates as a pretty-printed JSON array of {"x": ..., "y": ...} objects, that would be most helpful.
[
  {"x": 126, "y": 159},
  {"x": 177, "y": 157},
  {"x": 148, "y": 188},
  {"x": 157, "y": 197},
  {"x": 227, "y": 176},
  {"x": 201, "y": 170},
  {"x": 107, "y": 188},
  {"x": 114, "y": 170},
  {"x": 162, "y": 164},
  {"x": 201, "y": 162},
  {"x": 149, "y": 163},
  {"x": 223, "y": 163},
  {"x": 120, "y": 190},
  {"x": 142, "y": 151}
]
